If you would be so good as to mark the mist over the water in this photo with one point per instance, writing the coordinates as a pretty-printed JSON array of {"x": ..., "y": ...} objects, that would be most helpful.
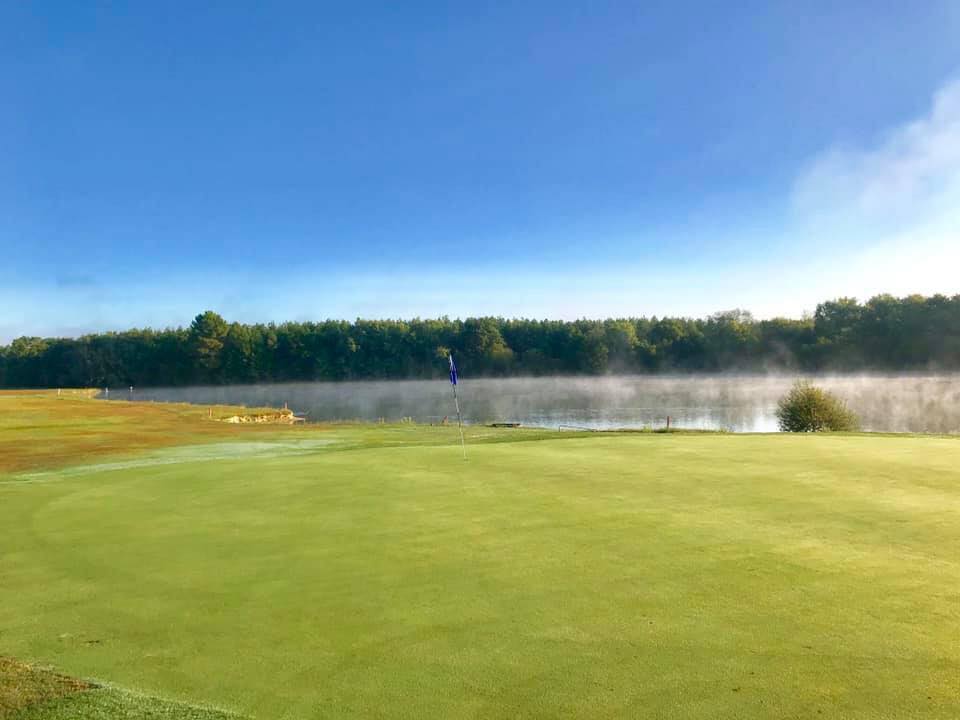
[{"x": 740, "y": 403}]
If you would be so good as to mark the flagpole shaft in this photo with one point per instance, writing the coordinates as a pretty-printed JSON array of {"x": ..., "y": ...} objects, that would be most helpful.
[{"x": 456, "y": 401}]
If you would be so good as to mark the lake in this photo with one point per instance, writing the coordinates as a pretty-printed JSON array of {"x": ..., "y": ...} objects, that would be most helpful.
[{"x": 739, "y": 403}]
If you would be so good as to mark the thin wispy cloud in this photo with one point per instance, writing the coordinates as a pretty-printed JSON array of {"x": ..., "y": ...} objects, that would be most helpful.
[
  {"x": 910, "y": 174},
  {"x": 894, "y": 205}
]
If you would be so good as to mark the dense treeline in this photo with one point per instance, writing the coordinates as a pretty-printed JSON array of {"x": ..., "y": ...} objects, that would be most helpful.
[{"x": 886, "y": 333}]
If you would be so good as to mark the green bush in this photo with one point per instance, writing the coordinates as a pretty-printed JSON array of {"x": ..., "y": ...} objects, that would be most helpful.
[{"x": 807, "y": 408}]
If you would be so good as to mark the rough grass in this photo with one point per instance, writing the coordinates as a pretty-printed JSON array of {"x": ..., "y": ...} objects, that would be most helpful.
[
  {"x": 600, "y": 576},
  {"x": 114, "y": 704},
  {"x": 23, "y": 685},
  {"x": 38, "y": 429},
  {"x": 28, "y": 692}
]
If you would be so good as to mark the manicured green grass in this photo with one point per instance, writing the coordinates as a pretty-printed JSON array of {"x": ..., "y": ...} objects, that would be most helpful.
[{"x": 375, "y": 574}]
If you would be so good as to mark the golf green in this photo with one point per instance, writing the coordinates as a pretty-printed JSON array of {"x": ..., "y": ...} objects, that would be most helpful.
[{"x": 370, "y": 572}]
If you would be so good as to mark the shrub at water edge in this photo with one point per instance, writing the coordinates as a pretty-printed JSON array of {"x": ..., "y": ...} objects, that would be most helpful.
[{"x": 807, "y": 408}]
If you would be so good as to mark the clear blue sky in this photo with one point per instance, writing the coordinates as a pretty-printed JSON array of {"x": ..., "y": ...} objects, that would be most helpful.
[{"x": 278, "y": 161}]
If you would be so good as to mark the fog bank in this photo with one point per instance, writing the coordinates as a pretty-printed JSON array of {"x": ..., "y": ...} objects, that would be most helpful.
[{"x": 739, "y": 403}]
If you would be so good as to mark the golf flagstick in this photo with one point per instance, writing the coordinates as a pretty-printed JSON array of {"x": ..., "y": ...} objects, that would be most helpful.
[{"x": 456, "y": 402}]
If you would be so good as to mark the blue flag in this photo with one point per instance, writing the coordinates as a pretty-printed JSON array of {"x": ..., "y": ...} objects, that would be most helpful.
[{"x": 453, "y": 371}]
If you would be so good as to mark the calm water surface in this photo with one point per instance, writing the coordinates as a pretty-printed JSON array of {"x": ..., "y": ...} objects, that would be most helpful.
[{"x": 741, "y": 403}]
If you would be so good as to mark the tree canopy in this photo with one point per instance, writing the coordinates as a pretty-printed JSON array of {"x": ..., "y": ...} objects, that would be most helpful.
[{"x": 885, "y": 333}]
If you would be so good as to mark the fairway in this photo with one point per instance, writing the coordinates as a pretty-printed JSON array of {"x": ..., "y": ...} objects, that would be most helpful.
[{"x": 369, "y": 572}]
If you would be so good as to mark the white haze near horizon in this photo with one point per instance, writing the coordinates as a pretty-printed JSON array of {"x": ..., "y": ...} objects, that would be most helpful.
[{"x": 862, "y": 220}]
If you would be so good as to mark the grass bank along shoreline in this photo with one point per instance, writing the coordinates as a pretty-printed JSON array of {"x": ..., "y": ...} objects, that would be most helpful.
[{"x": 40, "y": 429}]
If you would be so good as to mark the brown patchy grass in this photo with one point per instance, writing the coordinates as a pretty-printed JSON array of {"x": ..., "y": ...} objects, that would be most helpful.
[
  {"x": 39, "y": 430},
  {"x": 22, "y": 685}
]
